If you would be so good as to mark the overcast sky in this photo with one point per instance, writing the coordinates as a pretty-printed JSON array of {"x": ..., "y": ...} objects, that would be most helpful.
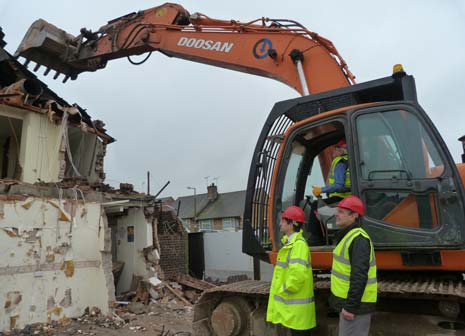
[{"x": 185, "y": 121}]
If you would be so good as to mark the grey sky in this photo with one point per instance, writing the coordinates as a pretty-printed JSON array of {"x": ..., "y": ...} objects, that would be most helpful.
[{"x": 184, "y": 121}]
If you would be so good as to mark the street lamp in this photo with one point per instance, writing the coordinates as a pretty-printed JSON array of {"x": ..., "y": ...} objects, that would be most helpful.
[{"x": 195, "y": 203}]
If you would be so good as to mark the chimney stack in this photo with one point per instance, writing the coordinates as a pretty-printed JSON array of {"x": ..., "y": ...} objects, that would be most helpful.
[{"x": 212, "y": 192}]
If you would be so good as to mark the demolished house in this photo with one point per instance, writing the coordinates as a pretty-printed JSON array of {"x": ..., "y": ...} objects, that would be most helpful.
[{"x": 66, "y": 238}]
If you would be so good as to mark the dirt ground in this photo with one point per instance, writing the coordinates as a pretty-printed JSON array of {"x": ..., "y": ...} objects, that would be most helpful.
[{"x": 171, "y": 319}]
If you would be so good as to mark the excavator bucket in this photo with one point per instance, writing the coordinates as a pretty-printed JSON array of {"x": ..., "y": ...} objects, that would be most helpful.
[{"x": 51, "y": 47}]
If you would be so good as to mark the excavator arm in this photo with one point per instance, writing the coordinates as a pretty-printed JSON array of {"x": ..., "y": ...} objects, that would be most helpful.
[{"x": 280, "y": 49}]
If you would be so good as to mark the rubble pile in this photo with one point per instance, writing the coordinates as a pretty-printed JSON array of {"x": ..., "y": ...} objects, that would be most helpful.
[
  {"x": 84, "y": 325},
  {"x": 230, "y": 279},
  {"x": 180, "y": 288},
  {"x": 154, "y": 297}
]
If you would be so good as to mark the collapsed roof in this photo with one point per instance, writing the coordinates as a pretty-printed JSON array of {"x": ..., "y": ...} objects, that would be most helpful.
[{"x": 21, "y": 88}]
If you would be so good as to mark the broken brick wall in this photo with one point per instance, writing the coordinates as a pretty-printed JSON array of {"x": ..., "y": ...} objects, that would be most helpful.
[
  {"x": 173, "y": 241},
  {"x": 51, "y": 258},
  {"x": 217, "y": 224}
]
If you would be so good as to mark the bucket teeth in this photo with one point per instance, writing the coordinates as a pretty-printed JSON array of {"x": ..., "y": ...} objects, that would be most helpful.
[
  {"x": 65, "y": 79},
  {"x": 36, "y": 67},
  {"x": 56, "y": 75},
  {"x": 46, "y": 71}
]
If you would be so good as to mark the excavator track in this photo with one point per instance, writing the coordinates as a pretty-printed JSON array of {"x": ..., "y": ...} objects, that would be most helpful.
[
  {"x": 427, "y": 288},
  {"x": 246, "y": 302},
  {"x": 208, "y": 313},
  {"x": 243, "y": 287}
]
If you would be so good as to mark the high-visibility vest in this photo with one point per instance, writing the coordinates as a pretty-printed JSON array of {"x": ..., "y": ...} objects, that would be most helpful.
[
  {"x": 291, "y": 302},
  {"x": 341, "y": 270},
  {"x": 331, "y": 178}
]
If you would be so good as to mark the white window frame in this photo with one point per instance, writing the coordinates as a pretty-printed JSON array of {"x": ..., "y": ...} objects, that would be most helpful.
[
  {"x": 206, "y": 225},
  {"x": 230, "y": 223}
]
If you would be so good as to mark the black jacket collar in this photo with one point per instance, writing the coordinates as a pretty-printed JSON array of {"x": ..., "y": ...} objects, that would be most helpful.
[{"x": 345, "y": 230}]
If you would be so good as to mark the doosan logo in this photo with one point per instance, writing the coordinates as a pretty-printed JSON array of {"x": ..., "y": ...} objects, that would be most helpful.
[{"x": 205, "y": 44}]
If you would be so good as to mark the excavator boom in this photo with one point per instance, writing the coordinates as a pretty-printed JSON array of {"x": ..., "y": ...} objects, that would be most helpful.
[{"x": 280, "y": 49}]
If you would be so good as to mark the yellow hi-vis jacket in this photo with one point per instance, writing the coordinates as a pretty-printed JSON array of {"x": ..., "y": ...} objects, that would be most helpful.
[
  {"x": 331, "y": 178},
  {"x": 291, "y": 302},
  {"x": 341, "y": 270}
]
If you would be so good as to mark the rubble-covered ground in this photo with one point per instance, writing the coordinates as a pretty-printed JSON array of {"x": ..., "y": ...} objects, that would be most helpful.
[
  {"x": 160, "y": 319},
  {"x": 164, "y": 309}
]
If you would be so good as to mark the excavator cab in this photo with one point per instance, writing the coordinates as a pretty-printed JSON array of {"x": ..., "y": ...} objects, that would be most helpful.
[
  {"x": 396, "y": 167},
  {"x": 398, "y": 162}
]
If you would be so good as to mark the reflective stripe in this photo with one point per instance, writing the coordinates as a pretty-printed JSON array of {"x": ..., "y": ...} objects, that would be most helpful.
[
  {"x": 299, "y": 261},
  {"x": 294, "y": 260},
  {"x": 345, "y": 261},
  {"x": 340, "y": 275},
  {"x": 347, "y": 278},
  {"x": 293, "y": 301},
  {"x": 341, "y": 259},
  {"x": 356, "y": 232},
  {"x": 281, "y": 264}
]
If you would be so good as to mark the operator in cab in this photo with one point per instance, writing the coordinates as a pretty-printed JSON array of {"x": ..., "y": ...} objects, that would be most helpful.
[
  {"x": 339, "y": 176},
  {"x": 291, "y": 304},
  {"x": 337, "y": 189},
  {"x": 354, "y": 285}
]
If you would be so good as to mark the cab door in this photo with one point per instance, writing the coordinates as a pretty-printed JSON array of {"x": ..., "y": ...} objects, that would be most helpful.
[{"x": 407, "y": 178}]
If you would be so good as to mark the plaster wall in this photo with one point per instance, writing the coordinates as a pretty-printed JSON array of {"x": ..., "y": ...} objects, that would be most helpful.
[
  {"x": 40, "y": 152},
  {"x": 130, "y": 252},
  {"x": 51, "y": 260}
]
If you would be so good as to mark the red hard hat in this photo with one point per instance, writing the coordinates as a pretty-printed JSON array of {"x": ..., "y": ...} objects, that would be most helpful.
[
  {"x": 353, "y": 203},
  {"x": 294, "y": 213},
  {"x": 341, "y": 143}
]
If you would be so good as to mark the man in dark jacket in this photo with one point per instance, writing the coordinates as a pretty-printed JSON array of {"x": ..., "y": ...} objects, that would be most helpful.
[{"x": 353, "y": 275}]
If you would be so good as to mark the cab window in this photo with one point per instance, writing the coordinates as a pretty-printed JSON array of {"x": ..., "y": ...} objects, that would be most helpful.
[{"x": 394, "y": 147}]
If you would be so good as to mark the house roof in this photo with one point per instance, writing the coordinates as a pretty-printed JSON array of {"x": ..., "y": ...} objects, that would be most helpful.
[
  {"x": 229, "y": 204},
  {"x": 185, "y": 205},
  {"x": 168, "y": 200},
  {"x": 226, "y": 205}
]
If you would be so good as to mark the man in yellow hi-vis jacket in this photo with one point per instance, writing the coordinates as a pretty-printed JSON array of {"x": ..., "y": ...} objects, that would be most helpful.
[
  {"x": 338, "y": 187},
  {"x": 291, "y": 302},
  {"x": 354, "y": 284}
]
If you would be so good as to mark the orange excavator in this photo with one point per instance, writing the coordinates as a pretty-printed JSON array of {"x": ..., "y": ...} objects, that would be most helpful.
[{"x": 399, "y": 164}]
